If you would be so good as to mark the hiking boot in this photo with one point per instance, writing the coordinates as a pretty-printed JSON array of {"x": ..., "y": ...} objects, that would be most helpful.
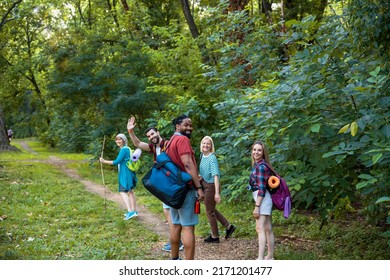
[
  {"x": 211, "y": 239},
  {"x": 230, "y": 231}
]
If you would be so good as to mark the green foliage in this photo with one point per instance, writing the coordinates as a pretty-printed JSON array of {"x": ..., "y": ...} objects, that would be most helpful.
[
  {"x": 301, "y": 110},
  {"x": 299, "y": 9},
  {"x": 315, "y": 88},
  {"x": 369, "y": 20},
  {"x": 36, "y": 194}
]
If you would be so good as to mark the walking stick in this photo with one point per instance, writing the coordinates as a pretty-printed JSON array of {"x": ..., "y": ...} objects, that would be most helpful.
[{"x": 101, "y": 169}]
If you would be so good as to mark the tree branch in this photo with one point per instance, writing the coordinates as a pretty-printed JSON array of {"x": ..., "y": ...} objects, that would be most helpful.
[{"x": 4, "y": 18}]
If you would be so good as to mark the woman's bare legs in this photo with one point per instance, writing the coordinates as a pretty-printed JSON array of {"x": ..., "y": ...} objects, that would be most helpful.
[
  {"x": 132, "y": 201},
  {"x": 126, "y": 199},
  {"x": 265, "y": 236},
  {"x": 270, "y": 238}
]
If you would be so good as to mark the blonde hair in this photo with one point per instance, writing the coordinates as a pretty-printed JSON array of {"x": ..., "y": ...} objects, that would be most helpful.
[
  {"x": 212, "y": 143},
  {"x": 265, "y": 153}
]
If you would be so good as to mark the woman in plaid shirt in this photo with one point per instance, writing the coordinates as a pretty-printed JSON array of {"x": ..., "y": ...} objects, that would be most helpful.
[{"x": 263, "y": 202}]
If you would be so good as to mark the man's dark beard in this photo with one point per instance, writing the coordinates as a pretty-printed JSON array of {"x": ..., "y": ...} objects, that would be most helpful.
[{"x": 154, "y": 140}]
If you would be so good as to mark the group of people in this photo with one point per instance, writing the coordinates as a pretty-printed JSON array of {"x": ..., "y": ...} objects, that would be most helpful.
[{"x": 205, "y": 187}]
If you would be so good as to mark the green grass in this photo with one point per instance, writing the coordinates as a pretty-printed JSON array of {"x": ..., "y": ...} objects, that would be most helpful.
[{"x": 51, "y": 216}]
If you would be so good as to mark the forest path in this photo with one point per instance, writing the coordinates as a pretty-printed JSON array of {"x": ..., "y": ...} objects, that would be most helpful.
[{"x": 232, "y": 249}]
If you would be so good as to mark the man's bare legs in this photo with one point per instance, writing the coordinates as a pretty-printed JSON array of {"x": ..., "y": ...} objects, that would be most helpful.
[
  {"x": 175, "y": 233},
  {"x": 188, "y": 241}
]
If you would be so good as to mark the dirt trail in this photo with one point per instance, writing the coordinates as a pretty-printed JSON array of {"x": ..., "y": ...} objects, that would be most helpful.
[
  {"x": 232, "y": 249},
  {"x": 151, "y": 221}
]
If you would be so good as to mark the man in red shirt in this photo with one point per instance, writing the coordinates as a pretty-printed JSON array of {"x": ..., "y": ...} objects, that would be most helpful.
[
  {"x": 184, "y": 219},
  {"x": 155, "y": 146}
]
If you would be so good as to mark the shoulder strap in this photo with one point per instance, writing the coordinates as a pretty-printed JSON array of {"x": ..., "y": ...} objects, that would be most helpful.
[
  {"x": 270, "y": 168},
  {"x": 168, "y": 143},
  {"x": 129, "y": 152}
]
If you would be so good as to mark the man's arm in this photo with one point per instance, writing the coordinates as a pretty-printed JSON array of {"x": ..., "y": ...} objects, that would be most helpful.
[
  {"x": 138, "y": 143},
  {"x": 192, "y": 170}
]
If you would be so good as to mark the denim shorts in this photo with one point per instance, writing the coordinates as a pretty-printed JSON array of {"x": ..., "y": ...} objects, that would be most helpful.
[
  {"x": 266, "y": 203},
  {"x": 166, "y": 206},
  {"x": 185, "y": 216}
]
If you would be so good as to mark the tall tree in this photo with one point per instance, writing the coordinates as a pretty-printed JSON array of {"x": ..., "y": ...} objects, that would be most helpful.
[
  {"x": 4, "y": 141},
  {"x": 194, "y": 30}
]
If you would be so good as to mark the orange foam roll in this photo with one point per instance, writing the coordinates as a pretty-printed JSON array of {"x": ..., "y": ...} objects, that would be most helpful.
[{"x": 273, "y": 182}]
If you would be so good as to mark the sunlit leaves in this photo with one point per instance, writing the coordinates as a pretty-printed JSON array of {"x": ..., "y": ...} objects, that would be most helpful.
[
  {"x": 344, "y": 128},
  {"x": 352, "y": 127}
]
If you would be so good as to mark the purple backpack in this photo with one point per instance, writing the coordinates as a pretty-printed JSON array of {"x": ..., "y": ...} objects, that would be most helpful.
[{"x": 281, "y": 197}]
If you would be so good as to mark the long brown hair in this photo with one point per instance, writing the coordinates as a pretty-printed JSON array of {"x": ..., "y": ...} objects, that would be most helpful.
[{"x": 265, "y": 152}]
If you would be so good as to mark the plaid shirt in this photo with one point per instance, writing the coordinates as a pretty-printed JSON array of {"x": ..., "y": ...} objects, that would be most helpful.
[{"x": 259, "y": 178}]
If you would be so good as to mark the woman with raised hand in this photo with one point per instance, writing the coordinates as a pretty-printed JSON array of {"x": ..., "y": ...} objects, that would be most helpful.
[{"x": 127, "y": 179}]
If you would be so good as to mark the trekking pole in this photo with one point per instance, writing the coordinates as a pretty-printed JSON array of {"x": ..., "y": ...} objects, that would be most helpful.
[{"x": 101, "y": 169}]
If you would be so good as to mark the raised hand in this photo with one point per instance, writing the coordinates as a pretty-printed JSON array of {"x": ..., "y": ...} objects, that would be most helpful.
[{"x": 131, "y": 123}]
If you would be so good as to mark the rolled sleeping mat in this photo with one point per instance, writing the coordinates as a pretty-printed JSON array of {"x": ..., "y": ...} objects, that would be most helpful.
[{"x": 136, "y": 154}]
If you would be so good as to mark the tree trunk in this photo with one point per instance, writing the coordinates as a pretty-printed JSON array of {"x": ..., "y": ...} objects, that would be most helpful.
[
  {"x": 125, "y": 6},
  {"x": 266, "y": 8},
  {"x": 4, "y": 142},
  {"x": 194, "y": 30},
  {"x": 112, "y": 9},
  {"x": 190, "y": 20}
]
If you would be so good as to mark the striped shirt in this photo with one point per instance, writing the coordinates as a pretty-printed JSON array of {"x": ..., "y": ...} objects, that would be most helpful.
[{"x": 208, "y": 168}]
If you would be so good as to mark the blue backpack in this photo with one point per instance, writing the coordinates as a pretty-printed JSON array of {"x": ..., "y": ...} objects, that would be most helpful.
[{"x": 167, "y": 182}]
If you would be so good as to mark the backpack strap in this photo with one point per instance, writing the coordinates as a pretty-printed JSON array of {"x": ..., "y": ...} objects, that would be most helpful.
[
  {"x": 270, "y": 168},
  {"x": 167, "y": 144},
  {"x": 129, "y": 152}
]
